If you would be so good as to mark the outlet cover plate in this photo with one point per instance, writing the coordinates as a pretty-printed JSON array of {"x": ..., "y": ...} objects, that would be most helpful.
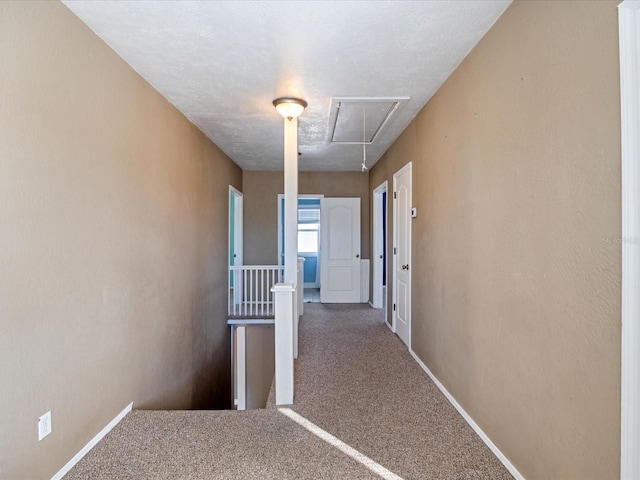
[{"x": 44, "y": 425}]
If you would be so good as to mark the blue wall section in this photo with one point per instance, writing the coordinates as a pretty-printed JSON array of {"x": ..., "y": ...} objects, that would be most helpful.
[{"x": 310, "y": 269}]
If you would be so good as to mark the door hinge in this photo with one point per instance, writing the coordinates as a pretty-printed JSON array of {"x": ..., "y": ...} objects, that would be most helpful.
[
  {"x": 395, "y": 194},
  {"x": 394, "y": 250},
  {"x": 394, "y": 307}
]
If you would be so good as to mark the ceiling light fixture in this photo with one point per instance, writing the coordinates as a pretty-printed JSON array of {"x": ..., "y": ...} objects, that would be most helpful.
[{"x": 289, "y": 107}]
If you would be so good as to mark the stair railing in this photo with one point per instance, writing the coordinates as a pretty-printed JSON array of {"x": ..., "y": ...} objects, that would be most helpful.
[{"x": 249, "y": 290}]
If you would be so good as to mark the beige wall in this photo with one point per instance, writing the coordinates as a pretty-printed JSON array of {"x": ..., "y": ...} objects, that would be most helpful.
[
  {"x": 113, "y": 243},
  {"x": 516, "y": 271},
  {"x": 261, "y": 191}
]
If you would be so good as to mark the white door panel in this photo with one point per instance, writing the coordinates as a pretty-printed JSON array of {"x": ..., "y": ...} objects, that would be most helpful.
[
  {"x": 341, "y": 233},
  {"x": 340, "y": 279},
  {"x": 340, "y": 250}
]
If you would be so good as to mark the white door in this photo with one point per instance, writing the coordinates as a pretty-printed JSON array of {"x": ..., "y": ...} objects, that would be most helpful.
[
  {"x": 340, "y": 250},
  {"x": 402, "y": 253}
]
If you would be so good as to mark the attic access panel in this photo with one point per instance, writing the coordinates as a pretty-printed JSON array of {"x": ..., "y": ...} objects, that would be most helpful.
[{"x": 358, "y": 120}]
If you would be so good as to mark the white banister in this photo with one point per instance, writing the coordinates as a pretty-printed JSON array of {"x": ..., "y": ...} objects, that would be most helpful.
[{"x": 285, "y": 309}]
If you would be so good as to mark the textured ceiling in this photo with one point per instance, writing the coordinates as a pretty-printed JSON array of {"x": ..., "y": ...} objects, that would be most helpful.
[{"x": 221, "y": 63}]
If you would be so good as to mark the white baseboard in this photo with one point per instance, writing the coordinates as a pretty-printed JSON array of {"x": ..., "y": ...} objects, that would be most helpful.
[
  {"x": 92, "y": 443},
  {"x": 492, "y": 446}
]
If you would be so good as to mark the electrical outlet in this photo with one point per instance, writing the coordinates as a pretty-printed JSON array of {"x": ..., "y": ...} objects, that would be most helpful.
[{"x": 44, "y": 425}]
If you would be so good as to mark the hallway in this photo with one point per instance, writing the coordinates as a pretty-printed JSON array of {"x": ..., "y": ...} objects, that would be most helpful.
[{"x": 363, "y": 409}]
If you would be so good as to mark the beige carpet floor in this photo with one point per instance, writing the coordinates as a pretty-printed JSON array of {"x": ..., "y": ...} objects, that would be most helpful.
[{"x": 355, "y": 381}]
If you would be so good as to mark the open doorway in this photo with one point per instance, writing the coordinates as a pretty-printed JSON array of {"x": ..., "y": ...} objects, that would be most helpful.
[
  {"x": 309, "y": 231},
  {"x": 379, "y": 276},
  {"x": 235, "y": 241}
]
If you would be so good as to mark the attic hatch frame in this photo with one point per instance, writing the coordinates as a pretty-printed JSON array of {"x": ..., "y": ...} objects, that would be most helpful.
[{"x": 397, "y": 105}]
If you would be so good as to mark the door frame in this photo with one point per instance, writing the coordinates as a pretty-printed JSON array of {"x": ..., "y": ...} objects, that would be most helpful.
[
  {"x": 407, "y": 167},
  {"x": 236, "y": 196},
  {"x": 379, "y": 248},
  {"x": 280, "y": 235},
  {"x": 629, "y": 26}
]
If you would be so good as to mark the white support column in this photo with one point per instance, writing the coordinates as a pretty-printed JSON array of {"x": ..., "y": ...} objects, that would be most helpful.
[
  {"x": 290, "y": 200},
  {"x": 300, "y": 303},
  {"x": 294, "y": 322},
  {"x": 285, "y": 301},
  {"x": 301, "y": 261},
  {"x": 284, "y": 296}
]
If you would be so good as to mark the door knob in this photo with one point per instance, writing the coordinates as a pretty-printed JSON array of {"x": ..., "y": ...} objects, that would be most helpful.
[
  {"x": 357, "y": 255},
  {"x": 380, "y": 256},
  {"x": 405, "y": 267}
]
